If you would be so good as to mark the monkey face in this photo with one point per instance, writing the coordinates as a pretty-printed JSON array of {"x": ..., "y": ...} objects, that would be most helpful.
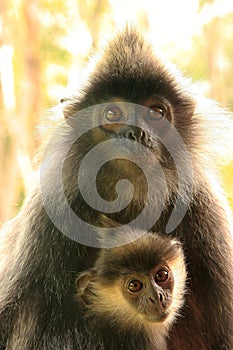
[
  {"x": 137, "y": 286},
  {"x": 125, "y": 144},
  {"x": 151, "y": 294},
  {"x": 128, "y": 143},
  {"x": 140, "y": 129}
]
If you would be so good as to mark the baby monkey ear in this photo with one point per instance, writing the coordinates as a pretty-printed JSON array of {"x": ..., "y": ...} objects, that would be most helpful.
[
  {"x": 176, "y": 244},
  {"x": 83, "y": 283}
]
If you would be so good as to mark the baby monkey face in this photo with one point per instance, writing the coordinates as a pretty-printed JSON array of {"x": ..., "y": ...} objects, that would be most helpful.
[
  {"x": 150, "y": 294},
  {"x": 136, "y": 285}
]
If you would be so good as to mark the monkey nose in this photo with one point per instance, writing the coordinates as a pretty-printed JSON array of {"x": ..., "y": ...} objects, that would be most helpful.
[
  {"x": 152, "y": 300},
  {"x": 160, "y": 299},
  {"x": 135, "y": 134}
]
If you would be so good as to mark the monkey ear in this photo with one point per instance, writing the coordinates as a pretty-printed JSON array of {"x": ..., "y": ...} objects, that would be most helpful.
[
  {"x": 177, "y": 248},
  {"x": 82, "y": 284},
  {"x": 176, "y": 244},
  {"x": 64, "y": 99},
  {"x": 84, "y": 279},
  {"x": 68, "y": 107}
]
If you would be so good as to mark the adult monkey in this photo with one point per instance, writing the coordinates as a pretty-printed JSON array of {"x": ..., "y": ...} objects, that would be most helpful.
[{"x": 39, "y": 264}]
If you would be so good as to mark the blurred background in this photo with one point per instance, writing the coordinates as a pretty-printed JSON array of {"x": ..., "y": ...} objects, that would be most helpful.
[{"x": 44, "y": 45}]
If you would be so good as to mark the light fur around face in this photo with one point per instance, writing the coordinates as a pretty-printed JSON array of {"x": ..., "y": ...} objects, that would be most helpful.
[{"x": 102, "y": 288}]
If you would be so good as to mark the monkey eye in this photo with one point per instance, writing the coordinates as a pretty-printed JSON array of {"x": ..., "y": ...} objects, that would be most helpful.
[
  {"x": 161, "y": 276},
  {"x": 135, "y": 286},
  {"x": 114, "y": 114},
  {"x": 155, "y": 113}
]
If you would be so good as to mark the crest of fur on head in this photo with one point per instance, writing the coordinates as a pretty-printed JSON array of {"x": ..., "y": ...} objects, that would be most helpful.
[
  {"x": 128, "y": 70},
  {"x": 128, "y": 50}
]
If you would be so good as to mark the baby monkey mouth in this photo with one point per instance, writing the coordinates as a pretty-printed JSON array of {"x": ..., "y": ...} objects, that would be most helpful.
[{"x": 158, "y": 317}]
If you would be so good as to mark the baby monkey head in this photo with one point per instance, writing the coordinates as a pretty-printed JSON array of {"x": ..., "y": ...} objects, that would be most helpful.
[{"x": 136, "y": 285}]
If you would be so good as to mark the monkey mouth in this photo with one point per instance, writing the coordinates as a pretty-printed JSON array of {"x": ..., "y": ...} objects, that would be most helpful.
[
  {"x": 157, "y": 318},
  {"x": 138, "y": 156}
]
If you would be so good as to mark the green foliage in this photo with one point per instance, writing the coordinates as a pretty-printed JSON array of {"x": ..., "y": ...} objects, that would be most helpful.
[
  {"x": 51, "y": 52},
  {"x": 205, "y": 2}
]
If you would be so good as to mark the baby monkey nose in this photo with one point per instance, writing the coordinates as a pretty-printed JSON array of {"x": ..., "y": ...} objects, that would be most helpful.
[
  {"x": 160, "y": 297},
  {"x": 152, "y": 300}
]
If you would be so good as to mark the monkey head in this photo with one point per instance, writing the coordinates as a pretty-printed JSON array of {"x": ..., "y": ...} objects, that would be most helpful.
[{"x": 135, "y": 285}]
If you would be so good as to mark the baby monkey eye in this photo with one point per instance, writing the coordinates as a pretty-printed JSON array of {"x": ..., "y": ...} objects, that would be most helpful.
[
  {"x": 135, "y": 286},
  {"x": 161, "y": 276},
  {"x": 155, "y": 113},
  {"x": 114, "y": 114}
]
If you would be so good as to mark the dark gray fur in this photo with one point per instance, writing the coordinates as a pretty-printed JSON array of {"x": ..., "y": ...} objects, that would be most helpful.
[{"x": 39, "y": 264}]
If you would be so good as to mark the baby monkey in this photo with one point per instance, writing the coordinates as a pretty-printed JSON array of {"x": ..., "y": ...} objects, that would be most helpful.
[{"x": 134, "y": 292}]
